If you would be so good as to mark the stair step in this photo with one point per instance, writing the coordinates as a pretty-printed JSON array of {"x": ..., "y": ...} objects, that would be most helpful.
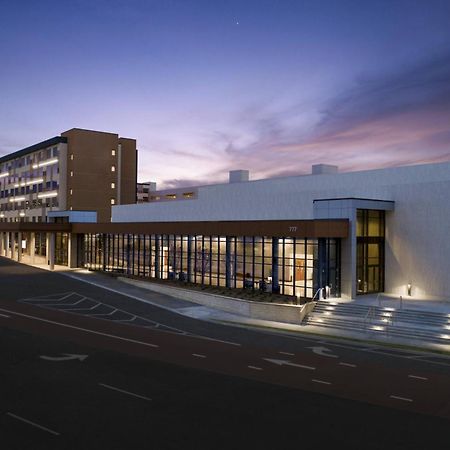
[
  {"x": 407, "y": 333},
  {"x": 410, "y": 324}
]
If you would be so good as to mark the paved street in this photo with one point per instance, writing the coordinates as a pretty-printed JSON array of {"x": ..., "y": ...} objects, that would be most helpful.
[{"x": 84, "y": 367}]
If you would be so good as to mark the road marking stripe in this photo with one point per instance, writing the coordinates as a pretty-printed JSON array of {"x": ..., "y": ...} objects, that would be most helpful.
[
  {"x": 71, "y": 304},
  {"x": 198, "y": 355},
  {"x": 287, "y": 353},
  {"x": 417, "y": 377},
  {"x": 29, "y": 422},
  {"x": 320, "y": 381},
  {"x": 4, "y": 315},
  {"x": 214, "y": 340},
  {"x": 135, "y": 297},
  {"x": 46, "y": 298},
  {"x": 147, "y": 344},
  {"x": 254, "y": 367},
  {"x": 347, "y": 364},
  {"x": 124, "y": 392},
  {"x": 128, "y": 320},
  {"x": 83, "y": 309},
  {"x": 104, "y": 314},
  {"x": 401, "y": 398}
]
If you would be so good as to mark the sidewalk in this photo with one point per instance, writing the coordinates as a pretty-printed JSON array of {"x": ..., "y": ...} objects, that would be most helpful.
[{"x": 134, "y": 289}]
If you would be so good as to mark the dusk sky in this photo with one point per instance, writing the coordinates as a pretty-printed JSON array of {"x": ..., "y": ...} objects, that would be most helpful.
[{"x": 210, "y": 86}]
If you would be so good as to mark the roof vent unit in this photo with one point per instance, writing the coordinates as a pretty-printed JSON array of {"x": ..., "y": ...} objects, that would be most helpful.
[
  {"x": 323, "y": 169},
  {"x": 239, "y": 176}
]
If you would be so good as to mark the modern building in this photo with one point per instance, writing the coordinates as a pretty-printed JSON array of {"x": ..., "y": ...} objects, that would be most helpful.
[
  {"x": 80, "y": 170},
  {"x": 357, "y": 232},
  {"x": 349, "y": 234}
]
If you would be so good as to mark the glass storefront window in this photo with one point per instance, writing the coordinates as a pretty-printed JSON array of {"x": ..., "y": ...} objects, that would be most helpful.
[{"x": 228, "y": 261}]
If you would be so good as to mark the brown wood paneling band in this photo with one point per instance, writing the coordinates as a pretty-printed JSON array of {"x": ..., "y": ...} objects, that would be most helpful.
[
  {"x": 35, "y": 227},
  {"x": 336, "y": 228}
]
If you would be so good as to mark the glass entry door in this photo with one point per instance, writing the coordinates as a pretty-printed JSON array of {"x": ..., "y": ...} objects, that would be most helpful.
[
  {"x": 370, "y": 267},
  {"x": 370, "y": 251}
]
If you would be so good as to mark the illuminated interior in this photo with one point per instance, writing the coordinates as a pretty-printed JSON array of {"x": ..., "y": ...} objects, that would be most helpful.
[{"x": 290, "y": 266}]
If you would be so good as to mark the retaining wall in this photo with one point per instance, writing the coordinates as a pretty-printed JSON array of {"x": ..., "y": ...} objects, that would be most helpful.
[{"x": 255, "y": 310}]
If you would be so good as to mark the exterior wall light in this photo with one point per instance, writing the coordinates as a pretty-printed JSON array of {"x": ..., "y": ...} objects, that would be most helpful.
[{"x": 409, "y": 286}]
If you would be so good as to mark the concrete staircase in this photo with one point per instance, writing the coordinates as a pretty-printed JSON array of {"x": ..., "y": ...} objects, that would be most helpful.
[{"x": 404, "y": 325}]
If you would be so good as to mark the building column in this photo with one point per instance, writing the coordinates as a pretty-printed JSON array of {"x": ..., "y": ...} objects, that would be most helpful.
[
  {"x": 105, "y": 251},
  {"x": 189, "y": 259},
  {"x": 275, "y": 260},
  {"x": 12, "y": 246},
  {"x": 51, "y": 250},
  {"x": 321, "y": 279},
  {"x": 3, "y": 244},
  {"x": 228, "y": 262},
  {"x": 348, "y": 261},
  {"x": 157, "y": 257},
  {"x": 72, "y": 251},
  {"x": 80, "y": 261},
  {"x": 19, "y": 246},
  {"x": 7, "y": 244},
  {"x": 32, "y": 247}
]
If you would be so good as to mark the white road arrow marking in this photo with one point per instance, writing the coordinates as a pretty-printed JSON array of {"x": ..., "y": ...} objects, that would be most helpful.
[
  {"x": 283, "y": 362},
  {"x": 68, "y": 357},
  {"x": 322, "y": 351}
]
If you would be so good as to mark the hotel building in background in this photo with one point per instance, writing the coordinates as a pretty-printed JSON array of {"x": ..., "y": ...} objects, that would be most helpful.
[
  {"x": 80, "y": 170},
  {"x": 144, "y": 190}
]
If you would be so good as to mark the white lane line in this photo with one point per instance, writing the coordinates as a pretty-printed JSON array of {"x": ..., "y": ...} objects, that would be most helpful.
[
  {"x": 45, "y": 298},
  {"x": 197, "y": 355},
  {"x": 417, "y": 377},
  {"x": 347, "y": 364},
  {"x": 128, "y": 320},
  {"x": 113, "y": 336},
  {"x": 83, "y": 309},
  {"x": 287, "y": 353},
  {"x": 254, "y": 367},
  {"x": 105, "y": 314},
  {"x": 320, "y": 381},
  {"x": 107, "y": 386},
  {"x": 401, "y": 398},
  {"x": 4, "y": 315},
  {"x": 29, "y": 422},
  {"x": 71, "y": 304},
  {"x": 206, "y": 338}
]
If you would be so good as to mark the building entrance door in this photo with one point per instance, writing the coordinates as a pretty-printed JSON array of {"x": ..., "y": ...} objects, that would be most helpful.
[{"x": 299, "y": 269}]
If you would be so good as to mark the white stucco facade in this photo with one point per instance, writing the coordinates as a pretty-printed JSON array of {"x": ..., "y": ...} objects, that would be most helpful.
[{"x": 417, "y": 245}]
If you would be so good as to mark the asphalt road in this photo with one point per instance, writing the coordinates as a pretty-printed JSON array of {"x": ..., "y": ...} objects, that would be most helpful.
[{"x": 150, "y": 378}]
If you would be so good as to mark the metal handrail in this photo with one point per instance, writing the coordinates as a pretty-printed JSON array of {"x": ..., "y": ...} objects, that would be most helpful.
[
  {"x": 318, "y": 290},
  {"x": 369, "y": 316}
]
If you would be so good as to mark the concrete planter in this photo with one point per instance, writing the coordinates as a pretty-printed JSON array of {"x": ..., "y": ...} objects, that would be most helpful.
[{"x": 265, "y": 311}]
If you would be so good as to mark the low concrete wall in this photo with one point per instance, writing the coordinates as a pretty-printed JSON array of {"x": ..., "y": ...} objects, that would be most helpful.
[{"x": 255, "y": 310}]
